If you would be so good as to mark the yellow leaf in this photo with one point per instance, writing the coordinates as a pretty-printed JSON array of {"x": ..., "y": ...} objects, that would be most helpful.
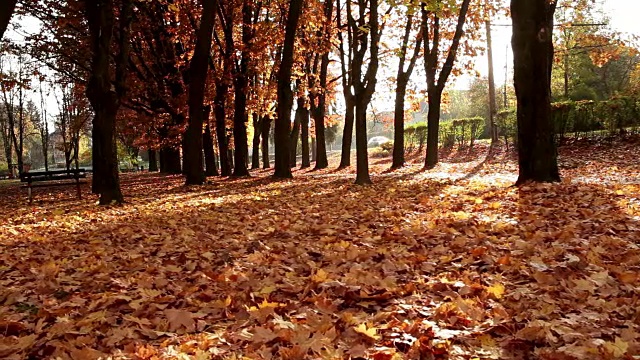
[
  {"x": 497, "y": 290},
  {"x": 319, "y": 276},
  {"x": 478, "y": 201},
  {"x": 58, "y": 212},
  {"x": 617, "y": 348},
  {"x": 370, "y": 332}
]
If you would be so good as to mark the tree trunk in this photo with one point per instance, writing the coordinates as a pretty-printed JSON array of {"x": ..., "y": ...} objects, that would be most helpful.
[
  {"x": 170, "y": 161},
  {"x": 104, "y": 100},
  {"x": 493, "y": 129},
  {"x": 153, "y": 161},
  {"x": 313, "y": 149},
  {"x": 240, "y": 154},
  {"x": 304, "y": 126},
  {"x": 211, "y": 168},
  {"x": 347, "y": 136},
  {"x": 6, "y": 11},
  {"x": 255, "y": 149},
  {"x": 193, "y": 158},
  {"x": 285, "y": 96},
  {"x": 295, "y": 134},
  {"x": 433, "y": 127},
  {"x": 398, "y": 124},
  {"x": 362, "y": 158},
  {"x": 221, "y": 128},
  {"x": 265, "y": 129},
  {"x": 532, "y": 44}
]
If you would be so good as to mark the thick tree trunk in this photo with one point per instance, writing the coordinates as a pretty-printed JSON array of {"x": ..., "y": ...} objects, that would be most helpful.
[
  {"x": 153, "y": 161},
  {"x": 304, "y": 128},
  {"x": 255, "y": 149},
  {"x": 362, "y": 157},
  {"x": 347, "y": 136},
  {"x": 433, "y": 127},
  {"x": 7, "y": 8},
  {"x": 211, "y": 168},
  {"x": 193, "y": 158},
  {"x": 313, "y": 149},
  {"x": 532, "y": 44},
  {"x": 104, "y": 100},
  {"x": 285, "y": 96},
  {"x": 240, "y": 154},
  {"x": 398, "y": 124},
  {"x": 170, "y": 161},
  {"x": 265, "y": 129},
  {"x": 221, "y": 129}
]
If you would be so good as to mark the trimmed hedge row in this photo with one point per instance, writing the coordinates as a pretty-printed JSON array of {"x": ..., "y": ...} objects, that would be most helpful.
[{"x": 582, "y": 119}]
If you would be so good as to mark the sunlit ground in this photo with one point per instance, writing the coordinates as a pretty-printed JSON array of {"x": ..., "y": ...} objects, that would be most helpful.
[{"x": 451, "y": 263}]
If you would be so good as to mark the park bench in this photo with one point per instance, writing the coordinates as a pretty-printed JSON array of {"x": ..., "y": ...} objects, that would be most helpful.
[{"x": 53, "y": 178}]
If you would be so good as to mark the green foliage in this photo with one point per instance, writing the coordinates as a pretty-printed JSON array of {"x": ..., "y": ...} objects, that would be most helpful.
[
  {"x": 461, "y": 131},
  {"x": 388, "y": 146},
  {"x": 415, "y": 136},
  {"x": 582, "y": 119}
]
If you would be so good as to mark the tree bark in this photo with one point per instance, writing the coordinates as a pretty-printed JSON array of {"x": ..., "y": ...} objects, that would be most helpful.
[
  {"x": 295, "y": 133},
  {"x": 532, "y": 44},
  {"x": 493, "y": 129},
  {"x": 433, "y": 127},
  {"x": 211, "y": 168},
  {"x": 193, "y": 157},
  {"x": 398, "y": 124},
  {"x": 170, "y": 161},
  {"x": 285, "y": 96},
  {"x": 265, "y": 129},
  {"x": 362, "y": 158},
  {"x": 347, "y": 136},
  {"x": 153, "y": 161},
  {"x": 402, "y": 80},
  {"x": 221, "y": 128},
  {"x": 319, "y": 111},
  {"x": 436, "y": 84},
  {"x": 7, "y": 7},
  {"x": 104, "y": 100},
  {"x": 304, "y": 129},
  {"x": 255, "y": 149}
]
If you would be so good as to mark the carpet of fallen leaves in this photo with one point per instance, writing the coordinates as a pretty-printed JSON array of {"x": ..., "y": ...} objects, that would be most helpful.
[{"x": 452, "y": 263}]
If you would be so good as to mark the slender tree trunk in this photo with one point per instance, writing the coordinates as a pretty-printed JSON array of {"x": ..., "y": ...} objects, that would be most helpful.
[
  {"x": 304, "y": 126},
  {"x": 193, "y": 158},
  {"x": 347, "y": 136},
  {"x": 153, "y": 161},
  {"x": 398, "y": 124},
  {"x": 7, "y": 8},
  {"x": 285, "y": 96},
  {"x": 433, "y": 127},
  {"x": 313, "y": 149},
  {"x": 265, "y": 129},
  {"x": 295, "y": 134},
  {"x": 255, "y": 149},
  {"x": 532, "y": 44},
  {"x": 362, "y": 157},
  {"x": 211, "y": 168},
  {"x": 493, "y": 130},
  {"x": 221, "y": 128}
]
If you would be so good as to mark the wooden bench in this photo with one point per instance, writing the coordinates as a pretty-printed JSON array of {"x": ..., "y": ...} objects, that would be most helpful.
[{"x": 53, "y": 178}]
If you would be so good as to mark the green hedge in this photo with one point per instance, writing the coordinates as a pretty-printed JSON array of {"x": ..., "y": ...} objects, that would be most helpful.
[
  {"x": 582, "y": 119},
  {"x": 461, "y": 131}
]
